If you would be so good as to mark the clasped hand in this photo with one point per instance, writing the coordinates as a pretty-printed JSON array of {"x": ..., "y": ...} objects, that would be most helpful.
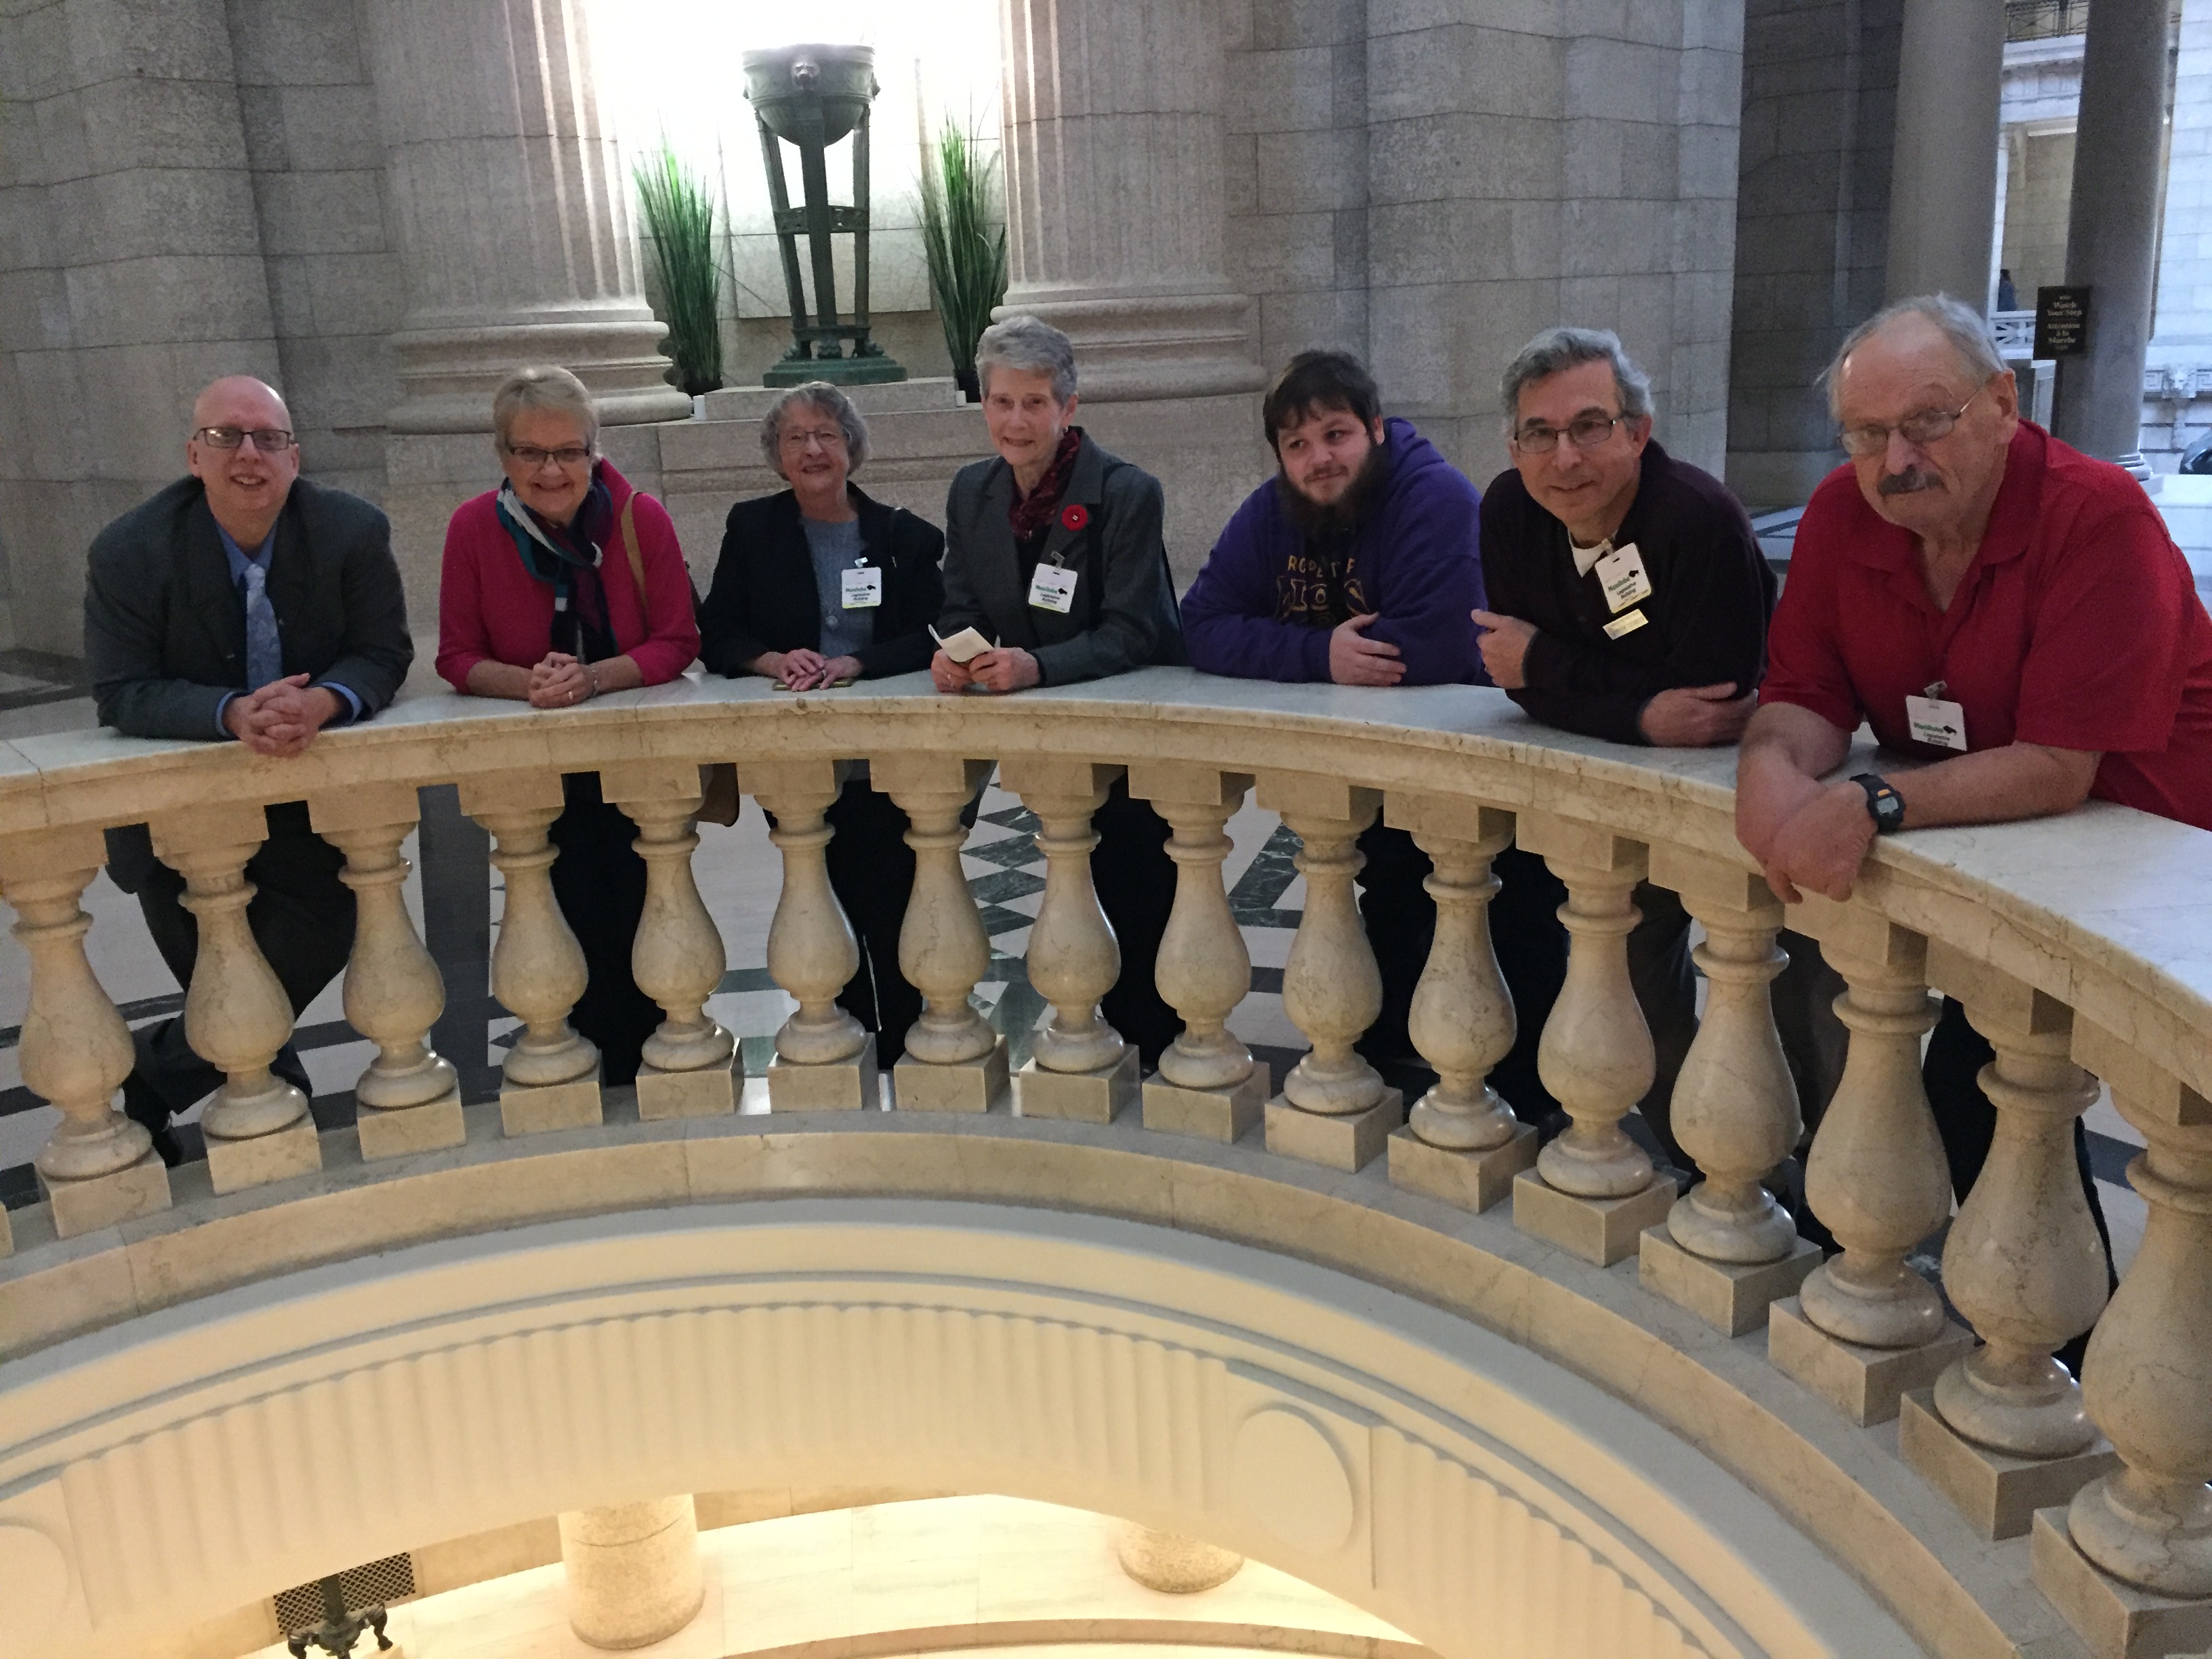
[
  {"x": 558, "y": 680},
  {"x": 1001, "y": 669},
  {"x": 803, "y": 669},
  {"x": 283, "y": 717}
]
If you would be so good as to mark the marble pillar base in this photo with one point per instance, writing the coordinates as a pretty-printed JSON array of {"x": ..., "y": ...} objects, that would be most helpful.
[
  {"x": 1600, "y": 1231},
  {"x": 1350, "y": 1142},
  {"x": 1865, "y": 1384},
  {"x": 1730, "y": 1297},
  {"x": 86, "y": 1206},
  {"x": 633, "y": 1570},
  {"x": 1222, "y": 1114},
  {"x": 2116, "y": 1621},
  {"x": 844, "y": 1085},
  {"x": 1081, "y": 1097},
  {"x": 294, "y": 1150},
  {"x": 1472, "y": 1180},
  {"x": 403, "y": 1130},
  {"x": 574, "y": 1104},
  {"x": 972, "y": 1085},
  {"x": 706, "y": 1091},
  {"x": 1171, "y": 1563},
  {"x": 1998, "y": 1495}
]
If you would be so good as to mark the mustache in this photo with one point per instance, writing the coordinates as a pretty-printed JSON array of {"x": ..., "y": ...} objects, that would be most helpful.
[{"x": 1910, "y": 482}]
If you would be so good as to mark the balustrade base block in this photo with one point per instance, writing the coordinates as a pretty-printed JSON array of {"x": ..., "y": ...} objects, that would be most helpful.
[
  {"x": 1865, "y": 1384},
  {"x": 234, "y": 1165},
  {"x": 2116, "y": 1621},
  {"x": 1472, "y": 1180},
  {"x": 1082, "y": 1096},
  {"x": 972, "y": 1085},
  {"x": 1222, "y": 1114},
  {"x": 403, "y": 1130},
  {"x": 707, "y": 1091},
  {"x": 1999, "y": 1495},
  {"x": 1730, "y": 1297},
  {"x": 86, "y": 1206},
  {"x": 1350, "y": 1142},
  {"x": 846, "y": 1085},
  {"x": 574, "y": 1104},
  {"x": 1600, "y": 1231}
]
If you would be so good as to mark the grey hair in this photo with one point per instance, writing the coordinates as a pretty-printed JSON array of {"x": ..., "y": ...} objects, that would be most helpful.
[
  {"x": 1564, "y": 348},
  {"x": 815, "y": 394},
  {"x": 1957, "y": 322},
  {"x": 549, "y": 388},
  {"x": 1028, "y": 347}
]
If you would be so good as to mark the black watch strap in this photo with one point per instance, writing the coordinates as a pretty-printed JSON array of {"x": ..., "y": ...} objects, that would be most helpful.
[{"x": 1884, "y": 805}]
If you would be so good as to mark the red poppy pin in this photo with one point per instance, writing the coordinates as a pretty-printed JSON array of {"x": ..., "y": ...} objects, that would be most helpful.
[{"x": 1074, "y": 516}]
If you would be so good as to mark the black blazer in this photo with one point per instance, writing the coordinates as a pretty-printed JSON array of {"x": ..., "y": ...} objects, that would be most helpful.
[
  {"x": 165, "y": 628},
  {"x": 1125, "y": 614},
  {"x": 765, "y": 598}
]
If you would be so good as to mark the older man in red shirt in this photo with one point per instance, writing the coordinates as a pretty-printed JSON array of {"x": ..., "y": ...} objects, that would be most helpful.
[{"x": 2007, "y": 613}]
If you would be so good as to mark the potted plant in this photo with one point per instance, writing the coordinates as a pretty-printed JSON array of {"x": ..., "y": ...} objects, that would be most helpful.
[
  {"x": 679, "y": 216},
  {"x": 963, "y": 229}
]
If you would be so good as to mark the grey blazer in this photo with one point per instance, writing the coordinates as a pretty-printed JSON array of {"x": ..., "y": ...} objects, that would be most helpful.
[{"x": 1125, "y": 614}]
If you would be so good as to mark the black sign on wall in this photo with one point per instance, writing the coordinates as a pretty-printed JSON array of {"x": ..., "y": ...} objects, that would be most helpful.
[{"x": 2062, "y": 321}]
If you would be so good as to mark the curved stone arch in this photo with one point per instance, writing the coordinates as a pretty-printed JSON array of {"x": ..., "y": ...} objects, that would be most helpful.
[{"x": 1477, "y": 1497}]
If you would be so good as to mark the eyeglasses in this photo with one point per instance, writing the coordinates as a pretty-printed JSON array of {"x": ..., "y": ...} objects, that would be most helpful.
[
  {"x": 828, "y": 437},
  {"x": 269, "y": 440},
  {"x": 533, "y": 458},
  {"x": 1920, "y": 429},
  {"x": 1584, "y": 432}
]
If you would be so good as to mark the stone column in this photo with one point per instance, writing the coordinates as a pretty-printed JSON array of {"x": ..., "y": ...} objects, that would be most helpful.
[
  {"x": 1171, "y": 1563},
  {"x": 2111, "y": 227},
  {"x": 633, "y": 1570},
  {"x": 1943, "y": 171},
  {"x": 512, "y": 205}
]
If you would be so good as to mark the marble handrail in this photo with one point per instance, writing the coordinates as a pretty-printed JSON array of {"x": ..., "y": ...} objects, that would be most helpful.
[{"x": 2077, "y": 944}]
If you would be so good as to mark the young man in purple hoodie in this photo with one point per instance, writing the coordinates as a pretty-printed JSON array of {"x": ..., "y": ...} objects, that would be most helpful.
[{"x": 1358, "y": 563}]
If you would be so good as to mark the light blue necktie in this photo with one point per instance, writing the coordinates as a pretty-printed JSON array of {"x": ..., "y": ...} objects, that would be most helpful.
[{"x": 264, "y": 651}]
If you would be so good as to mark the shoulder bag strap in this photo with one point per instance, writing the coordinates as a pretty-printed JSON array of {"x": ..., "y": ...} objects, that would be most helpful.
[{"x": 636, "y": 559}]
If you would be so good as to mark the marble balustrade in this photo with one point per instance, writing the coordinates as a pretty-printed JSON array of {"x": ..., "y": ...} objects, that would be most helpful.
[{"x": 2074, "y": 966}]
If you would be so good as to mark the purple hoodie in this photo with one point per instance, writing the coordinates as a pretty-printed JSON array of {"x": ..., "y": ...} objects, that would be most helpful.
[{"x": 1415, "y": 555}]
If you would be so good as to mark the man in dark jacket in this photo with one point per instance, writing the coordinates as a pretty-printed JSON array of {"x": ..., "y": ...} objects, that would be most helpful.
[{"x": 243, "y": 603}]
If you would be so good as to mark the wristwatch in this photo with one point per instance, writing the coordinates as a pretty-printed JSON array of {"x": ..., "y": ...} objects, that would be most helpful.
[{"x": 1884, "y": 805}]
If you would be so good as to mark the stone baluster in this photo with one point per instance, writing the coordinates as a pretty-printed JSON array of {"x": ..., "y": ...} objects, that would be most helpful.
[
  {"x": 954, "y": 1063},
  {"x": 1207, "y": 1084},
  {"x": 2148, "y": 1379},
  {"x": 1593, "y": 1190},
  {"x": 237, "y": 1015},
  {"x": 824, "y": 1058},
  {"x": 2023, "y": 1263},
  {"x": 1462, "y": 1142},
  {"x": 99, "y": 1167},
  {"x": 1728, "y": 1250},
  {"x": 690, "y": 1066},
  {"x": 551, "y": 1074},
  {"x": 1865, "y": 1328},
  {"x": 1334, "y": 1107},
  {"x": 409, "y": 1099},
  {"x": 1080, "y": 1066}
]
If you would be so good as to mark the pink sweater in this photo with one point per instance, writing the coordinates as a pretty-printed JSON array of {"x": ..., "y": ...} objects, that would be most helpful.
[{"x": 491, "y": 609}]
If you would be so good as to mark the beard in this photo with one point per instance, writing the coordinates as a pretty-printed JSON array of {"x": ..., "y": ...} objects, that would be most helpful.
[{"x": 1318, "y": 520}]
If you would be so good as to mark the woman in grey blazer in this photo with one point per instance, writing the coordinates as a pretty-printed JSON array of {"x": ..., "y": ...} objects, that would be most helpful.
[{"x": 1052, "y": 552}]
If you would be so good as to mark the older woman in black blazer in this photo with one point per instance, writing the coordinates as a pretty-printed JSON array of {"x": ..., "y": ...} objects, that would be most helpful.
[{"x": 818, "y": 585}]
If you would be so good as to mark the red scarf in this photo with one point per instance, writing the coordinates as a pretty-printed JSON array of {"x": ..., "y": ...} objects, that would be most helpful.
[{"x": 1030, "y": 514}]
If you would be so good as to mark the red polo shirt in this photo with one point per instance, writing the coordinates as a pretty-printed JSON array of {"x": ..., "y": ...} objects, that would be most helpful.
[{"x": 2077, "y": 626}]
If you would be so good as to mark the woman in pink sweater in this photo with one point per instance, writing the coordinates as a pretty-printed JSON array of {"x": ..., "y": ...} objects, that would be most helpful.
[{"x": 560, "y": 585}]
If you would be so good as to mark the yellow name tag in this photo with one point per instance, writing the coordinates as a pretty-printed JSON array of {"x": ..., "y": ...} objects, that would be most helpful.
[{"x": 1622, "y": 627}]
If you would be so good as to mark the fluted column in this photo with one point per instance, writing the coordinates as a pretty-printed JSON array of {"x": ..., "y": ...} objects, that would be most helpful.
[
  {"x": 1207, "y": 1083},
  {"x": 98, "y": 1167},
  {"x": 551, "y": 1074},
  {"x": 689, "y": 1064},
  {"x": 824, "y": 1059},
  {"x": 1943, "y": 167},
  {"x": 633, "y": 1572},
  {"x": 512, "y": 206},
  {"x": 409, "y": 1098},
  {"x": 954, "y": 1063},
  {"x": 236, "y": 1013}
]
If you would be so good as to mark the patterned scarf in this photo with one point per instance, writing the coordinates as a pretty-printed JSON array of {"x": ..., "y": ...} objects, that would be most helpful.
[
  {"x": 1032, "y": 515},
  {"x": 566, "y": 556}
]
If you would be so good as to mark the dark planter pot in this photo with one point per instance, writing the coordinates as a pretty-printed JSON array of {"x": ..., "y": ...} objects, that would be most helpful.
[{"x": 971, "y": 389}]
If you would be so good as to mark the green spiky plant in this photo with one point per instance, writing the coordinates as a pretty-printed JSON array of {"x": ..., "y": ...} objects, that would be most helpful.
[
  {"x": 963, "y": 229},
  {"x": 679, "y": 214}
]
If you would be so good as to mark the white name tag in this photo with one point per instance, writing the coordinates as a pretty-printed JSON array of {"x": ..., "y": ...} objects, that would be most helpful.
[
  {"x": 1936, "y": 722},
  {"x": 1620, "y": 576},
  {"x": 1053, "y": 588},
  {"x": 1621, "y": 627},
  {"x": 862, "y": 586}
]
